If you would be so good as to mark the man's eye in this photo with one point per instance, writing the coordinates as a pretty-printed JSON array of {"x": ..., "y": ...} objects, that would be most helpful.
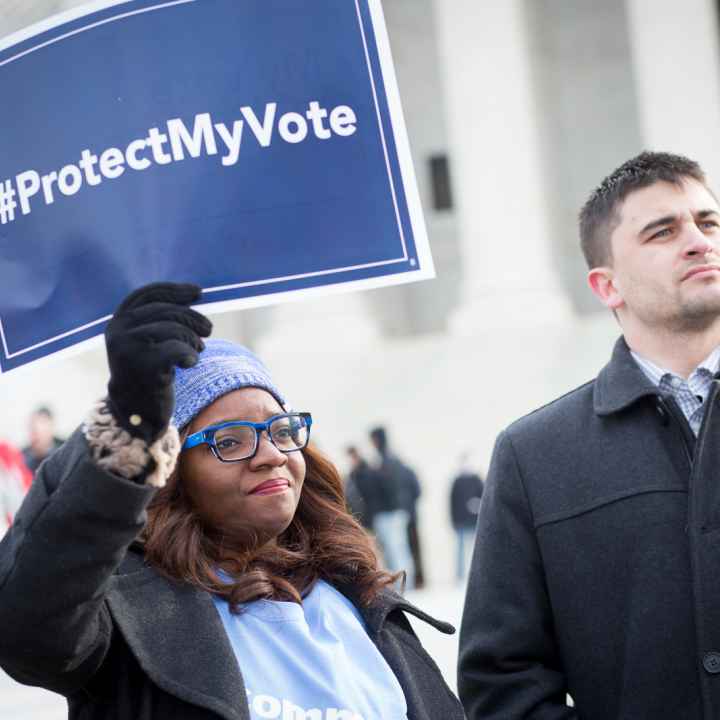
[
  {"x": 665, "y": 232},
  {"x": 709, "y": 224}
]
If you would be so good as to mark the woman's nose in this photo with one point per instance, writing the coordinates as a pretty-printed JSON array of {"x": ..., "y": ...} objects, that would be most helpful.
[{"x": 267, "y": 453}]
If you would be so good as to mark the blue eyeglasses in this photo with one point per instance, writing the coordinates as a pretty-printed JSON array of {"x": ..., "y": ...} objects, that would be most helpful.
[{"x": 238, "y": 440}]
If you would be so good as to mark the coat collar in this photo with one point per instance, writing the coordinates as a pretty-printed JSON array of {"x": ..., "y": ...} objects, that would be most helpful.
[
  {"x": 621, "y": 382},
  {"x": 387, "y": 602}
]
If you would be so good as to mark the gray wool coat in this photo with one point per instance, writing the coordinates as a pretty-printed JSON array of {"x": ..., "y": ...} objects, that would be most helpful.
[
  {"x": 82, "y": 614},
  {"x": 597, "y": 564}
]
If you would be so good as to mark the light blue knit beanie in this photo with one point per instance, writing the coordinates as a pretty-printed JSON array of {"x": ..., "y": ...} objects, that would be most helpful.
[{"x": 222, "y": 367}]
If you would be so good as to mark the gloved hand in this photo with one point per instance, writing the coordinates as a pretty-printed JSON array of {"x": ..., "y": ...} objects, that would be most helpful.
[{"x": 151, "y": 332}]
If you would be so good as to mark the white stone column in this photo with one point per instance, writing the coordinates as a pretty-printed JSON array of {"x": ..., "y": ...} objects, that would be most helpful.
[
  {"x": 509, "y": 276},
  {"x": 677, "y": 71},
  {"x": 321, "y": 322}
]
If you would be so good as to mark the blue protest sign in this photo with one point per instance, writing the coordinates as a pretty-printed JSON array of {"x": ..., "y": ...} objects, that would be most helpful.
[{"x": 255, "y": 147}]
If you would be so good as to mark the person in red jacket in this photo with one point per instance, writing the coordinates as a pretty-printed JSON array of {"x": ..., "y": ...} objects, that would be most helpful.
[{"x": 15, "y": 479}]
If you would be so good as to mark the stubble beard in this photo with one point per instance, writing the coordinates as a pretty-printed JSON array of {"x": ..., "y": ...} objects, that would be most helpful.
[{"x": 697, "y": 315}]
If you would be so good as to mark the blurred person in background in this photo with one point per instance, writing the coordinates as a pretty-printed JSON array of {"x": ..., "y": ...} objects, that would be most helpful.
[
  {"x": 596, "y": 569},
  {"x": 41, "y": 437},
  {"x": 398, "y": 490},
  {"x": 465, "y": 494},
  {"x": 187, "y": 554},
  {"x": 15, "y": 479},
  {"x": 361, "y": 488}
]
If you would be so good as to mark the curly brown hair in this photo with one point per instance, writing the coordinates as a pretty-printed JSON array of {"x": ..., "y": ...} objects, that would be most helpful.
[{"x": 323, "y": 541}]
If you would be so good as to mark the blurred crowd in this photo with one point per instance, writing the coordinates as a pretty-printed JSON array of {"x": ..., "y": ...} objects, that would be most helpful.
[{"x": 383, "y": 492}]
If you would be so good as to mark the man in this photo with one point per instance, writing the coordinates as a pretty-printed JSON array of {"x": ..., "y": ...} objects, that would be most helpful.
[
  {"x": 465, "y": 494},
  {"x": 396, "y": 497},
  {"x": 597, "y": 562},
  {"x": 42, "y": 439},
  {"x": 361, "y": 488}
]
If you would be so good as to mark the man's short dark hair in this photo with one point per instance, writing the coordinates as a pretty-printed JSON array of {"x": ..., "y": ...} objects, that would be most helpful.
[
  {"x": 45, "y": 411},
  {"x": 379, "y": 435},
  {"x": 600, "y": 214}
]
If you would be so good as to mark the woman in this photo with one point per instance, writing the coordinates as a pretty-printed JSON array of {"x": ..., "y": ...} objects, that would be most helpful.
[{"x": 231, "y": 585}]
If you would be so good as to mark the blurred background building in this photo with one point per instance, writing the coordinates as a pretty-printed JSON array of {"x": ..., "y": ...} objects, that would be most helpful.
[{"x": 515, "y": 109}]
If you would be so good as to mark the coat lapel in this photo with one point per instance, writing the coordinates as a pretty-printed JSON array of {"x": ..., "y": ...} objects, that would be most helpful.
[
  {"x": 621, "y": 382},
  {"x": 178, "y": 639}
]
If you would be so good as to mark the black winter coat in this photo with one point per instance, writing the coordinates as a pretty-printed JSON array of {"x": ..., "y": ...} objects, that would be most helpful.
[
  {"x": 597, "y": 564},
  {"x": 83, "y": 616},
  {"x": 368, "y": 490}
]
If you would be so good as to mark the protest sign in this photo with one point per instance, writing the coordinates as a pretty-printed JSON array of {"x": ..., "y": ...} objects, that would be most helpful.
[{"x": 255, "y": 147}]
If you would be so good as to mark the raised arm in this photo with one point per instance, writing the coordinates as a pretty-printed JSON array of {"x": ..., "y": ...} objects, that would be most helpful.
[{"x": 87, "y": 503}]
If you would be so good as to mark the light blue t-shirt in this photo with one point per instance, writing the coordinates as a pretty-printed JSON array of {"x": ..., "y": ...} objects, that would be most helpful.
[{"x": 313, "y": 661}]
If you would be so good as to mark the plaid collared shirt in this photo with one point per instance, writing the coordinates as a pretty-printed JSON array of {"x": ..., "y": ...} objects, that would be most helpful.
[{"x": 689, "y": 394}]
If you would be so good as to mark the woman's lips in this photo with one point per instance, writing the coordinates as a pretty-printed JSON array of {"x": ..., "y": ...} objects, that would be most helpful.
[{"x": 270, "y": 487}]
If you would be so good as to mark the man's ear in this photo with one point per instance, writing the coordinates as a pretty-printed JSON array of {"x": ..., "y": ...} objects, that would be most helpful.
[{"x": 604, "y": 286}]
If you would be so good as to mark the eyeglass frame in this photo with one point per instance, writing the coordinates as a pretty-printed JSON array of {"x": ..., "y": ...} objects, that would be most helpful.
[{"x": 207, "y": 435}]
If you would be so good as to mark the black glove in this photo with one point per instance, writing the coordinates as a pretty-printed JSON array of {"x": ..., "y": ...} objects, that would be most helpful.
[{"x": 151, "y": 332}]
